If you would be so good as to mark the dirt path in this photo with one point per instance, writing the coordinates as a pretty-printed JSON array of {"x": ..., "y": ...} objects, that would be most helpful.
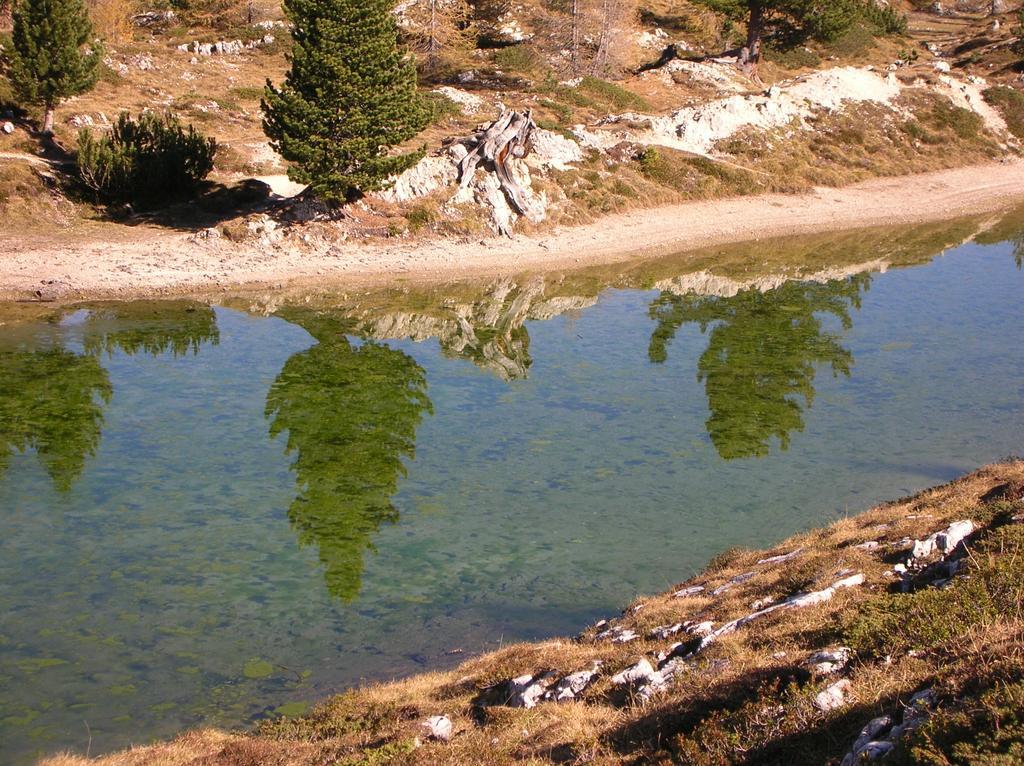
[{"x": 162, "y": 262}]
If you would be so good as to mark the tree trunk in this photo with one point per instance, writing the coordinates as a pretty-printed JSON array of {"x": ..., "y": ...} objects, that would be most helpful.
[
  {"x": 507, "y": 138},
  {"x": 755, "y": 28},
  {"x": 751, "y": 54},
  {"x": 574, "y": 45},
  {"x": 48, "y": 120}
]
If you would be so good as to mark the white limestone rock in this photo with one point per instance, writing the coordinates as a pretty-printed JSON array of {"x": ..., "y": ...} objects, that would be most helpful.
[
  {"x": 689, "y": 592},
  {"x": 437, "y": 727},
  {"x": 640, "y": 673},
  {"x": 834, "y": 696},
  {"x": 782, "y": 558},
  {"x": 829, "y": 661},
  {"x": 570, "y": 687},
  {"x": 426, "y": 176},
  {"x": 552, "y": 151}
]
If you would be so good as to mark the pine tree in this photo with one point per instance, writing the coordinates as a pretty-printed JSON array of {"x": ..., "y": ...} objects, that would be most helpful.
[
  {"x": 823, "y": 20},
  {"x": 348, "y": 98},
  {"x": 55, "y": 55}
]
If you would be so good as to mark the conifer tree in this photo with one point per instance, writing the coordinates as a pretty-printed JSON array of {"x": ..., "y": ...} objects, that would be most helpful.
[
  {"x": 55, "y": 54},
  {"x": 349, "y": 98},
  {"x": 824, "y": 20}
]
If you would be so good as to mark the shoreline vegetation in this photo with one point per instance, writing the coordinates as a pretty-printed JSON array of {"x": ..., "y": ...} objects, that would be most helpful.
[
  {"x": 896, "y": 632},
  {"x": 162, "y": 263}
]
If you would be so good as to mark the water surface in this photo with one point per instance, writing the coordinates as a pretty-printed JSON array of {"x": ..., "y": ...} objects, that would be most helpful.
[{"x": 212, "y": 514}]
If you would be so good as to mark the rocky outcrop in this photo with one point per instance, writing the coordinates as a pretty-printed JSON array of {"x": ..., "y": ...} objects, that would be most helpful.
[
  {"x": 224, "y": 47},
  {"x": 698, "y": 129},
  {"x": 881, "y": 735}
]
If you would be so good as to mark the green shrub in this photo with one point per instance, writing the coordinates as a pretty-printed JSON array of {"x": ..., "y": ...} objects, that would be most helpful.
[
  {"x": 146, "y": 161},
  {"x": 521, "y": 58},
  {"x": 992, "y": 589},
  {"x": 613, "y": 94},
  {"x": 963, "y": 122},
  {"x": 419, "y": 218},
  {"x": 988, "y": 730},
  {"x": 797, "y": 57},
  {"x": 884, "y": 19},
  {"x": 1010, "y": 104},
  {"x": 441, "y": 107}
]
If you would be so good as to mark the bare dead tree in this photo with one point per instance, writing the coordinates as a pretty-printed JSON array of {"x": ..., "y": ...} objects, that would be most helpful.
[
  {"x": 437, "y": 29},
  {"x": 507, "y": 138},
  {"x": 599, "y": 34}
]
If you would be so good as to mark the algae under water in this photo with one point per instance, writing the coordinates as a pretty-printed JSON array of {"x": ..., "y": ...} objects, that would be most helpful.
[{"x": 212, "y": 514}]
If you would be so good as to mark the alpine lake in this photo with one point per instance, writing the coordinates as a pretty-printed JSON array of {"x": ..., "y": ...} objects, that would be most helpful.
[{"x": 220, "y": 510}]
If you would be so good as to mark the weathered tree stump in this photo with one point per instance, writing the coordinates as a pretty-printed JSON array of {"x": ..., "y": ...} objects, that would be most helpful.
[{"x": 494, "y": 147}]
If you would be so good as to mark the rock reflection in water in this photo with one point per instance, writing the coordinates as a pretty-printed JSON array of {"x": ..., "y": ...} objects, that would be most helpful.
[{"x": 488, "y": 330}]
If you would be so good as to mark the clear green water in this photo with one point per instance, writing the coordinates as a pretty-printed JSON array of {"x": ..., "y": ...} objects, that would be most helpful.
[{"x": 212, "y": 515}]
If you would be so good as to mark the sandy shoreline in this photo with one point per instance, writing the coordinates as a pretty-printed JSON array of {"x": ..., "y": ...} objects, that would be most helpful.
[{"x": 163, "y": 262}]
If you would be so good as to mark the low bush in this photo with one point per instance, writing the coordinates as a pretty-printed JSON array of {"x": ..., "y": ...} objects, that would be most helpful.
[
  {"x": 144, "y": 162},
  {"x": 521, "y": 59},
  {"x": 938, "y": 618},
  {"x": 1010, "y": 104},
  {"x": 613, "y": 94},
  {"x": 988, "y": 730}
]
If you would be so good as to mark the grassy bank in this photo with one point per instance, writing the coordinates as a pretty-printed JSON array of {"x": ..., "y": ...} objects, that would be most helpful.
[{"x": 928, "y": 648}]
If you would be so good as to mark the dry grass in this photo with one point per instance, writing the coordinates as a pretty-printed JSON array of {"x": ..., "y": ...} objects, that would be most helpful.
[{"x": 744, "y": 700}]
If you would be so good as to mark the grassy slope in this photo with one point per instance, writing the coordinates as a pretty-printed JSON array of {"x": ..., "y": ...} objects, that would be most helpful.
[
  {"x": 747, "y": 698},
  {"x": 220, "y": 94}
]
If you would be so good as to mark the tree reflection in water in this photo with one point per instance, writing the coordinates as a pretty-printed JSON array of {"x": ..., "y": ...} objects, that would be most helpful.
[
  {"x": 52, "y": 398},
  {"x": 351, "y": 413},
  {"x": 51, "y": 401},
  {"x": 153, "y": 328},
  {"x": 763, "y": 352}
]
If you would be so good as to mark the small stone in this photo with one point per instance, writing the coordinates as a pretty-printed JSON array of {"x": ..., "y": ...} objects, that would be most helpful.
[
  {"x": 437, "y": 727},
  {"x": 572, "y": 685},
  {"x": 737, "y": 580},
  {"x": 870, "y": 545},
  {"x": 693, "y": 590},
  {"x": 850, "y": 582},
  {"x": 701, "y": 629},
  {"x": 834, "y": 696},
  {"x": 943, "y": 66},
  {"x": 666, "y": 631},
  {"x": 639, "y": 673},
  {"x": 920, "y": 704},
  {"x": 872, "y": 751},
  {"x": 829, "y": 661},
  {"x": 784, "y": 557},
  {"x": 8, "y": 127},
  {"x": 526, "y": 691},
  {"x": 948, "y": 540},
  {"x": 870, "y": 732}
]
